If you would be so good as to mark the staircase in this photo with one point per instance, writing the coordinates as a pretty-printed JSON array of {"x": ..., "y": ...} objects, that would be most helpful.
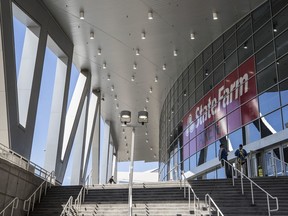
[
  {"x": 148, "y": 199},
  {"x": 231, "y": 201},
  {"x": 51, "y": 204}
]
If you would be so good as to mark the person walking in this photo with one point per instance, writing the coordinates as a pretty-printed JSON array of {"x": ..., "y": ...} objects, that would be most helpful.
[
  {"x": 241, "y": 155},
  {"x": 222, "y": 155},
  {"x": 111, "y": 180}
]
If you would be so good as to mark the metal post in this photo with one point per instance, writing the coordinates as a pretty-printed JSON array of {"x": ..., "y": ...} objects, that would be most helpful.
[{"x": 131, "y": 171}]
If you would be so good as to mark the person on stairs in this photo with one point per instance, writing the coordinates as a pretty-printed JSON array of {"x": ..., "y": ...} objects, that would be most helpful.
[
  {"x": 241, "y": 159},
  {"x": 222, "y": 155},
  {"x": 111, "y": 180}
]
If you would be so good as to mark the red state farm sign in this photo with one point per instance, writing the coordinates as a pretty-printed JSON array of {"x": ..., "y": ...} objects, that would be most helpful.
[{"x": 222, "y": 106}]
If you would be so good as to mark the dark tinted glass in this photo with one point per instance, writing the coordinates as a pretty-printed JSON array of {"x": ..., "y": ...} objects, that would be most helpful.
[
  {"x": 218, "y": 74},
  {"x": 283, "y": 88},
  {"x": 274, "y": 121},
  {"x": 266, "y": 78},
  {"x": 199, "y": 93},
  {"x": 244, "y": 32},
  {"x": 265, "y": 56},
  {"x": 198, "y": 62},
  {"x": 229, "y": 32},
  {"x": 245, "y": 50},
  {"x": 208, "y": 84},
  {"x": 207, "y": 53},
  {"x": 199, "y": 77},
  {"x": 263, "y": 36},
  {"x": 231, "y": 63},
  {"x": 282, "y": 66},
  {"x": 280, "y": 22},
  {"x": 261, "y": 15},
  {"x": 229, "y": 46},
  {"x": 191, "y": 71},
  {"x": 217, "y": 43},
  {"x": 277, "y": 5},
  {"x": 281, "y": 44},
  {"x": 269, "y": 101},
  {"x": 218, "y": 57}
]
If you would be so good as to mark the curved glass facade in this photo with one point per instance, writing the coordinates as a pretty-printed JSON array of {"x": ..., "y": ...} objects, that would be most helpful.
[{"x": 235, "y": 91}]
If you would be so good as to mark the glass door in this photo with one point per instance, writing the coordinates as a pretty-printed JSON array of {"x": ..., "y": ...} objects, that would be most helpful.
[
  {"x": 273, "y": 165},
  {"x": 285, "y": 159}
]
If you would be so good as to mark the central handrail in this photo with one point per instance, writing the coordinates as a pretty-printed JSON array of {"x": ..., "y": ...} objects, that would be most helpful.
[
  {"x": 13, "y": 204},
  {"x": 67, "y": 208},
  {"x": 196, "y": 199},
  {"x": 39, "y": 191},
  {"x": 251, "y": 184},
  {"x": 208, "y": 200}
]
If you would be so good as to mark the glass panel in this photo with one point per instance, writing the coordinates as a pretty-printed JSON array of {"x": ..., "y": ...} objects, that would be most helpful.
[
  {"x": 218, "y": 74},
  {"x": 277, "y": 5},
  {"x": 231, "y": 63},
  {"x": 207, "y": 69},
  {"x": 281, "y": 44},
  {"x": 244, "y": 32},
  {"x": 198, "y": 62},
  {"x": 282, "y": 66},
  {"x": 261, "y": 15},
  {"x": 199, "y": 77},
  {"x": 235, "y": 140},
  {"x": 252, "y": 132},
  {"x": 191, "y": 86},
  {"x": 280, "y": 22},
  {"x": 218, "y": 57},
  {"x": 263, "y": 36},
  {"x": 245, "y": 50},
  {"x": 211, "y": 175},
  {"x": 269, "y": 75},
  {"x": 208, "y": 84},
  {"x": 229, "y": 46},
  {"x": 265, "y": 56},
  {"x": 199, "y": 93},
  {"x": 284, "y": 92},
  {"x": 193, "y": 159},
  {"x": 229, "y": 32},
  {"x": 207, "y": 53},
  {"x": 271, "y": 124},
  {"x": 217, "y": 44},
  {"x": 186, "y": 165},
  {"x": 269, "y": 101},
  {"x": 285, "y": 116},
  {"x": 249, "y": 111},
  {"x": 234, "y": 120}
]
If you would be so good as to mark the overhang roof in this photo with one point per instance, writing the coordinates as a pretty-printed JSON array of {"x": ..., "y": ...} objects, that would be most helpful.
[{"x": 117, "y": 27}]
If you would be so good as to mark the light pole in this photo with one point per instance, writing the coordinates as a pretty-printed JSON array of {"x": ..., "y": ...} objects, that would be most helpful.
[{"x": 125, "y": 118}]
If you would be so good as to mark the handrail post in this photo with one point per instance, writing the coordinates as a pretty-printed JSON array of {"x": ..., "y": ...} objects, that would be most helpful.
[
  {"x": 242, "y": 187},
  {"x": 268, "y": 205},
  {"x": 190, "y": 199},
  {"x": 252, "y": 194}
]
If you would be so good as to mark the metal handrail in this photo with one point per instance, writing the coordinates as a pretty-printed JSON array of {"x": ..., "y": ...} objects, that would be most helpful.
[
  {"x": 15, "y": 158},
  {"x": 87, "y": 181},
  {"x": 282, "y": 162},
  {"x": 39, "y": 191},
  {"x": 252, "y": 193},
  {"x": 195, "y": 198},
  {"x": 13, "y": 204},
  {"x": 208, "y": 200},
  {"x": 68, "y": 207}
]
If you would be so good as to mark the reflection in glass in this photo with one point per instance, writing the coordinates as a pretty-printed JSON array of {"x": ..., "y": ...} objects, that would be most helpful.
[
  {"x": 283, "y": 87},
  {"x": 282, "y": 66},
  {"x": 265, "y": 56},
  {"x": 269, "y": 75},
  {"x": 221, "y": 173},
  {"x": 281, "y": 44},
  {"x": 211, "y": 152},
  {"x": 280, "y": 22},
  {"x": 269, "y": 101},
  {"x": 211, "y": 175},
  {"x": 252, "y": 132},
  {"x": 263, "y": 36},
  {"x": 235, "y": 139},
  {"x": 271, "y": 124},
  {"x": 285, "y": 116},
  {"x": 193, "y": 161}
]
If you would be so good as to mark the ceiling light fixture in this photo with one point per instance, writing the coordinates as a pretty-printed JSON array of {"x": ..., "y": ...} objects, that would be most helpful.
[
  {"x": 81, "y": 15},
  {"x": 99, "y": 51},
  {"x": 123, "y": 131},
  {"x": 185, "y": 93},
  {"x": 164, "y": 67},
  {"x": 146, "y": 133},
  {"x": 104, "y": 65},
  {"x": 91, "y": 35},
  {"x": 108, "y": 77},
  {"x": 147, "y": 140},
  {"x": 274, "y": 27},
  {"x": 145, "y": 108},
  {"x": 215, "y": 16},
  {"x": 150, "y": 15},
  {"x": 133, "y": 78},
  {"x": 134, "y": 66},
  {"x": 154, "y": 155},
  {"x": 137, "y": 52},
  {"x": 115, "y": 97},
  {"x": 142, "y": 117},
  {"x": 192, "y": 36},
  {"x": 175, "y": 53},
  {"x": 112, "y": 88},
  {"x": 117, "y": 106},
  {"x": 245, "y": 45},
  {"x": 147, "y": 100},
  {"x": 156, "y": 79},
  {"x": 150, "y": 90},
  {"x": 151, "y": 148},
  {"x": 143, "y": 35}
]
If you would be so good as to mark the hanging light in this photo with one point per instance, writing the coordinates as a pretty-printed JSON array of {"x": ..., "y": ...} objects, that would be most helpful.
[
  {"x": 91, "y": 35},
  {"x": 156, "y": 79},
  {"x": 137, "y": 52},
  {"x": 215, "y": 16},
  {"x": 134, "y": 66},
  {"x": 99, "y": 51},
  {"x": 112, "y": 88},
  {"x": 133, "y": 78},
  {"x": 192, "y": 36},
  {"x": 150, "y": 15},
  {"x": 143, "y": 35},
  {"x": 81, "y": 15},
  {"x": 164, "y": 67},
  {"x": 108, "y": 77},
  {"x": 104, "y": 65},
  {"x": 150, "y": 90},
  {"x": 115, "y": 97},
  {"x": 175, "y": 53},
  {"x": 147, "y": 100}
]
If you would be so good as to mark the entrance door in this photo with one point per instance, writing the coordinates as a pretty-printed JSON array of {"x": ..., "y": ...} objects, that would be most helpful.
[
  {"x": 273, "y": 165},
  {"x": 285, "y": 159}
]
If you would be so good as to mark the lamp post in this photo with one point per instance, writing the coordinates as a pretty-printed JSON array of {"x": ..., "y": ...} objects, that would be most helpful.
[{"x": 125, "y": 118}]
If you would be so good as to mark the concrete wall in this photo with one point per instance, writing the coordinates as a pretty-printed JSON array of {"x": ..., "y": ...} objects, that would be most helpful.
[{"x": 16, "y": 182}]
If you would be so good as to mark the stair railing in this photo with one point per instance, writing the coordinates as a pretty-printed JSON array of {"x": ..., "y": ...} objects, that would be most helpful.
[
  {"x": 67, "y": 209},
  {"x": 196, "y": 203},
  {"x": 30, "y": 202},
  {"x": 87, "y": 182},
  {"x": 208, "y": 201},
  {"x": 283, "y": 164},
  {"x": 80, "y": 198},
  {"x": 15, "y": 158},
  {"x": 251, "y": 187},
  {"x": 13, "y": 205}
]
